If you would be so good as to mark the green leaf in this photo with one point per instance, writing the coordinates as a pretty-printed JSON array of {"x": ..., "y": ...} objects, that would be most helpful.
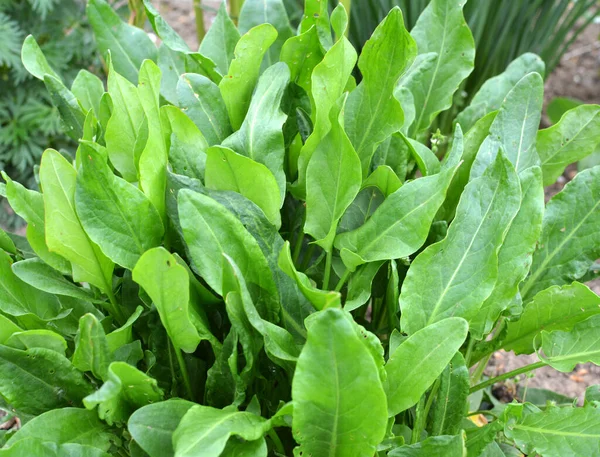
[
  {"x": 7, "y": 328},
  {"x": 168, "y": 285},
  {"x": 302, "y": 53},
  {"x": 329, "y": 80},
  {"x": 557, "y": 432},
  {"x": 451, "y": 400},
  {"x": 152, "y": 426},
  {"x": 563, "y": 350},
  {"x": 115, "y": 214},
  {"x": 558, "y": 106},
  {"x": 333, "y": 180},
  {"x": 201, "y": 100},
  {"x": 346, "y": 414},
  {"x": 515, "y": 127},
  {"x": 257, "y": 12},
  {"x": 573, "y": 138},
  {"x": 6, "y": 243},
  {"x": 38, "y": 274},
  {"x": 385, "y": 179},
  {"x": 372, "y": 112},
  {"x": 359, "y": 286},
  {"x": 187, "y": 155},
  {"x": 71, "y": 113},
  {"x": 210, "y": 231},
  {"x": 419, "y": 360},
  {"x": 122, "y": 129},
  {"x": 227, "y": 170},
  {"x": 29, "y": 339},
  {"x": 123, "y": 335},
  {"x": 260, "y": 136},
  {"x": 440, "y": 29},
  {"x": 570, "y": 240},
  {"x": 399, "y": 226},
  {"x": 436, "y": 446},
  {"x": 515, "y": 254},
  {"x": 426, "y": 160},
  {"x": 66, "y": 425},
  {"x": 153, "y": 159},
  {"x": 38, "y": 380},
  {"x": 204, "y": 431},
  {"x": 237, "y": 447},
  {"x": 125, "y": 390},
  {"x": 88, "y": 89},
  {"x": 35, "y": 61},
  {"x": 556, "y": 308},
  {"x": 48, "y": 449},
  {"x": 493, "y": 92},
  {"x": 321, "y": 299},
  {"x": 454, "y": 276},
  {"x": 219, "y": 42},
  {"x": 237, "y": 86},
  {"x": 91, "y": 347},
  {"x": 128, "y": 45}
]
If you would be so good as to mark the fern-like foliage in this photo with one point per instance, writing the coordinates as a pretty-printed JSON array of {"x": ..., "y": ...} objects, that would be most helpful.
[{"x": 28, "y": 121}]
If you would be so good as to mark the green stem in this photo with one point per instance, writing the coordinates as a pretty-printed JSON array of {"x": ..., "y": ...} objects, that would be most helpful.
[
  {"x": 199, "y": 12},
  {"x": 298, "y": 247},
  {"x": 479, "y": 370},
  {"x": 276, "y": 441},
  {"x": 235, "y": 6},
  {"x": 417, "y": 424},
  {"x": 307, "y": 256},
  {"x": 327, "y": 269},
  {"x": 469, "y": 351},
  {"x": 114, "y": 308},
  {"x": 510, "y": 374},
  {"x": 430, "y": 399},
  {"x": 343, "y": 280},
  {"x": 184, "y": 373}
]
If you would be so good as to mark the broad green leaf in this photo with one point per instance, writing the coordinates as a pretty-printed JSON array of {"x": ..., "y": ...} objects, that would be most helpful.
[
  {"x": 172, "y": 64},
  {"x": 39, "y": 448},
  {"x": 88, "y": 89},
  {"x": 153, "y": 160},
  {"x": 152, "y": 426},
  {"x": 440, "y": 29},
  {"x": 237, "y": 447},
  {"x": 187, "y": 154},
  {"x": 359, "y": 286},
  {"x": 219, "y": 42},
  {"x": 399, "y": 226},
  {"x": 71, "y": 113},
  {"x": 6, "y": 243},
  {"x": 451, "y": 400},
  {"x": 257, "y": 12},
  {"x": 237, "y": 86},
  {"x": 454, "y": 276},
  {"x": 558, "y": 106},
  {"x": 123, "y": 335},
  {"x": 515, "y": 127},
  {"x": 563, "y": 350},
  {"x": 570, "y": 240},
  {"x": 574, "y": 137},
  {"x": 35, "y": 61},
  {"x": 372, "y": 111},
  {"x": 210, "y": 230},
  {"x": 419, "y": 360},
  {"x": 329, "y": 80},
  {"x": 38, "y": 380},
  {"x": 556, "y": 308},
  {"x": 168, "y": 285},
  {"x": 30, "y": 339},
  {"x": 29, "y": 305},
  {"x": 200, "y": 100},
  {"x": 426, "y": 160},
  {"x": 321, "y": 299},
  {"x": 126, "y": 117},
  {"x": 125, "y": 390},
  {"x": 278, "y": 342},
  {"x": 492, "y": 93},
  {"x": 128, "y": 45},
  {"x": 91, "y": 347},
  {"x": 7, "y": 328},
  {"x": 515, "y": 254},
  {"x": 115, "y": 214},
  {"x": 302, "y": 53},
  {"x": 394, "y": 153},
  {"x": 260, "y": 136},
  {"x": 346, "y": 414},
  {"x": 557, "y": 432},
  {"x": 38, "y": 274},
  {"x": 204, "y": 431},
  {"x": 316, "y": 13},
  {"x": 333, "y": 179},
  {"x": 435, "y": 446},
  {"x": 227, "y": 170},
  {"x": 385, "y": 179},
  {"x": 66, "y": 425}
]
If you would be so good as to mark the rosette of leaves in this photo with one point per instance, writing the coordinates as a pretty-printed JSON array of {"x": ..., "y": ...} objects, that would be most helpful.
[{"x": 251, "y": 254}]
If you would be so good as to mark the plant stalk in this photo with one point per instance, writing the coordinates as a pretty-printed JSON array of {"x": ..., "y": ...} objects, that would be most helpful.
[
  {"x": 416, "y": 432},
  {"x": 343, "y": 280},
  {"x": 510, "y": 374},
  {"x": 327, "y": 269},
  {"x": 199, "y": 12},
  {"x": 235, "y": 6},
  {"x": 184, "y": 373},
  {"x": 276, "y": 441}
]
